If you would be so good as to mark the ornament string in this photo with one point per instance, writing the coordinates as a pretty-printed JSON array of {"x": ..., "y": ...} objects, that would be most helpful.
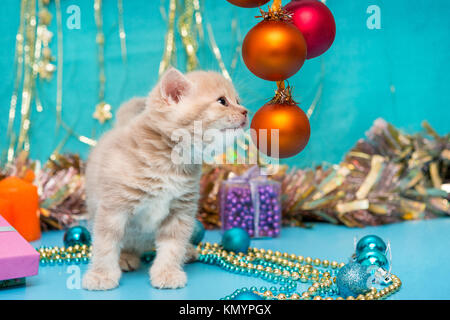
[{"x": 277, "y": 5}]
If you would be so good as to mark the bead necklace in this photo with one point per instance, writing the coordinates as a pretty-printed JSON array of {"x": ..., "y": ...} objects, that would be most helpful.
[
  {"x": 76, "y": 254},
  {"x": 286, "y": 269},
  {"x": 279, "y": 268}
]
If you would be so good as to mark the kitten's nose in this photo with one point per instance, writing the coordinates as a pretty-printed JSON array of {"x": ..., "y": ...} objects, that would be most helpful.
[{"x": 244, "y": 112}]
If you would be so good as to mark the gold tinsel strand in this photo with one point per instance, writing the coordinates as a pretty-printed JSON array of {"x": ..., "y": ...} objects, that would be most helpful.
[
  {"x": 28, "y": 83},
  {"x": 59, "y": 75},
  {"x": 102, "y": 110},
  {"x": 185, "y": 27},
  {"x": 18, "y": 63},
  {"x": 198, "y": 19},
  {"x": 122, "y": 34},
  {"x": 217, "y": 52},
  {"x": 169, "y": 48}
]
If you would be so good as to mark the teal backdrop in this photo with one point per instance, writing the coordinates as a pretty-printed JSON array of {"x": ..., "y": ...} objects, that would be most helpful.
[{"x": 400, "y": 72}]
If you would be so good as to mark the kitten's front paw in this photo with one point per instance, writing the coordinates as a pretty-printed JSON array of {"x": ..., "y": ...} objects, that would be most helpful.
[
  {"x": 167, "y": 278},
  {"x": 191, "y": 254},
  {"x": 129, "y": 261},
  {"x": 100, "y": 280}
]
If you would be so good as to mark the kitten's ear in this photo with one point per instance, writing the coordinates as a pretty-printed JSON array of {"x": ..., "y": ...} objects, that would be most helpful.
[{"x": 174, "y": 86}]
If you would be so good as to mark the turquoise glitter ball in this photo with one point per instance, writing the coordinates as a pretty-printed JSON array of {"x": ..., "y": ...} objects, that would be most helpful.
[
  {"x": 236, "y": 240},
  {"x": 372, "y": 258},
  {"x": 77, "y": 235},
  {"x": 198, "y": 234},
  {"x": 371, "y": 242},
  {"x": 353, "y": 280},
  {"x": 247, "y": 296}
]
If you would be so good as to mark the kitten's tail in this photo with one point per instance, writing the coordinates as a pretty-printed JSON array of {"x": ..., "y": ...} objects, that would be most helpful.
[{"x": 129, "y": 110}]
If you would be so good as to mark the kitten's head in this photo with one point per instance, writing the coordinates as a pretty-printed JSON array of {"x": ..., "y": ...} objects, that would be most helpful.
[{"x": 202, "y": 97}]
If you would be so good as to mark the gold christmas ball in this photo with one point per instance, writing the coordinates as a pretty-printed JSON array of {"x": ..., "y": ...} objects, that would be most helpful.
[
  {"x": 274, "y": 50},
  {"x": 292, "y": 125},
  {"x": 248, "y": 3}
]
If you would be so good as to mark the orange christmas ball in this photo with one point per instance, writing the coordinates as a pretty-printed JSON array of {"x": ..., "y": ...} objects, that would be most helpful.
[
  {"x": 274, "y": 50},
  {"x": 292, "y": 125},
  {"x": 248, "y": 3}
]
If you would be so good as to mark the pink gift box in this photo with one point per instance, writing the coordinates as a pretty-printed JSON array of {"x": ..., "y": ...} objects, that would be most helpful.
[{"x": 18, "y": 258}]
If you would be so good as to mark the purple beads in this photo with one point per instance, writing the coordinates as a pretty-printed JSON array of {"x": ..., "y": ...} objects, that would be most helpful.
[{"x": 239, "y": 209}]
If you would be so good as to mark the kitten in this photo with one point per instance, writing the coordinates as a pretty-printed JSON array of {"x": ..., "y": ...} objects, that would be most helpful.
[{"x": 138, "y": 198}]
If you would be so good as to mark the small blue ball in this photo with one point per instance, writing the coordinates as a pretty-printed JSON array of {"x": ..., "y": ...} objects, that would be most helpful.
[
  {"x": 372, "y": 258},
  {"x": 371, "y": 242},
  {"x": 247, "y": 296},
  {"x": 353, "y": 280},
  {"x": 236, "y": 240},
  {"x": 77, "y": 235},
  {"x": 198, "y": 233},
  {"x": 148, "y": 256}
]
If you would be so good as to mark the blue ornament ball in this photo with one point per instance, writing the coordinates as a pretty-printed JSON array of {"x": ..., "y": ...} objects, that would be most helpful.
[
  {"x": 148, "y": 256},
  {"x": 247, "y": 296},
  {"x": 198, "y": 233},
  {"x": 77, "y": 235},
  {"x": 371, "y": 242},
  {"x": 353, "y": 280},
  {"x": 372, "y": 258},
  {"x": 236, "y": 240}
]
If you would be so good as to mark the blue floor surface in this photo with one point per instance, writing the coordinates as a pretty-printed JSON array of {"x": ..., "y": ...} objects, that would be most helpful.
[{"x": 421, "y": 258}]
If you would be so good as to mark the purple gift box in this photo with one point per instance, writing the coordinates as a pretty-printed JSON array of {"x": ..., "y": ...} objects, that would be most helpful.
[
  {"x": 251, "y": 202},
  {"x": 18, "y": 259}
]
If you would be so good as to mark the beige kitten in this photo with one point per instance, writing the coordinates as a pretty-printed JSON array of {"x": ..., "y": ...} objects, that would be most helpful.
[{"x": 138, "y": 198}]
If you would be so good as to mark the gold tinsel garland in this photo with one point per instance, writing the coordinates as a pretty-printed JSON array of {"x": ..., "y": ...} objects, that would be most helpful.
[
  {"x": 388, "y": 177},
  {"x": 34, "y": 61}
]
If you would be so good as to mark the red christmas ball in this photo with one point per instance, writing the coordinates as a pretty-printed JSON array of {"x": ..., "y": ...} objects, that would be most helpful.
[
  {"x": 316, "y": 22},
  {"x": 248, "y": 3},
  {"x": 292, "y": 125},
  {"x": 274, "y": 50}
]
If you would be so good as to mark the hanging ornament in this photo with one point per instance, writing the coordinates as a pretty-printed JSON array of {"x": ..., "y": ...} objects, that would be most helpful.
[
  {"x": 236, "y": 240},
  {"x": 102, "y": 112},
  {"x": 248, "y": 3},
  {"x": 371, "y": 242},
  {"x": 274, "y": 49},
  {"x": 281, "y": 114},
  {"x": 77, "y": 235},
  {"x": 316, "y": 22},
  {"x": 372, "y": 258},
  {"x": 353, "y": 280},
  {"x": 198, "y": 233}
]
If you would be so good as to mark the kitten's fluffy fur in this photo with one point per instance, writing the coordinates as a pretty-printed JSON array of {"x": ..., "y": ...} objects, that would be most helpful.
[{"x": 138, "y": 198}]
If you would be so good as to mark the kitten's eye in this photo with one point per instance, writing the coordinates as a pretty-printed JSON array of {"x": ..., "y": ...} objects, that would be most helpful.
[{"x": 223, "y": 101}]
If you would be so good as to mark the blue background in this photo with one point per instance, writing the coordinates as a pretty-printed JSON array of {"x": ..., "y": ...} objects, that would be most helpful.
[{"x": 409, "y": 53}]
